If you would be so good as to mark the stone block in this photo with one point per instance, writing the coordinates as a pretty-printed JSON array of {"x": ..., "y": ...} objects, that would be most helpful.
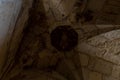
[
  {"x": 95, "y": 76},
  {"x": 116, "y": 72},
  {"x": 80, "y": 34},
  {"x": 84, "y": 59},
  {"x": 91, "y": 50},
  {"x": 97, "y": 41},
  {"x": 104, "y": 26},
  {"x": 88, "y": 28},
  {"x": 112, "y": 35},
  {"x": 85, "y": 73},
  {"x": 101, "y": 66}
]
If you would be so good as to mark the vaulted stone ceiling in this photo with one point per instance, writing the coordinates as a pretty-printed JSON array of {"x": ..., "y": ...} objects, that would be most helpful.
[{"x": 37, "y": 59}]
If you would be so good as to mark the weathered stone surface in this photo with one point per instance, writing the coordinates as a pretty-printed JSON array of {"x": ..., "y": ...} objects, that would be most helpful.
[
  {"x": 91, "y": 50},
  {"x": 63, "y": 69},
  {"x": 100, "y": 66},
  {"x": 105, "y": 46},
  {"x": 37, "y": 54},
  {"x": 116, "y": 72},
  {"x": 47, "y": 59},
  {"x": 106, "y": 19},
  {"x": 97, "y": 41},
  {"x": 80, "y": 34},
  {"x": 104, "y": 26},
  {"x": 30, "y": 55},
  {"x": 59, "y": 12},
  {"x": 95, "y": 76},
  {"x": 85, "y": 73},
  {"x": 109, "y": 78},
  {"x": 112, "y": 47},
  {"x": 114, "y": 9},
  {"x": 112, "y": 35},
  {"x": 84, "y": 59},
  {"x": 99, "y": 5},
  {"x": 88, "y": 28}
]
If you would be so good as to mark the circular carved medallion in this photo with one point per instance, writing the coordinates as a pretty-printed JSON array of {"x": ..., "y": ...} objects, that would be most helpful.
[{"x": 64, "y": 38}]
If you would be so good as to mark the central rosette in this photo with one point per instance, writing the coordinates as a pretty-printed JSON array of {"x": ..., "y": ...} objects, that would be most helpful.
[{"x": 64, "y": 38}]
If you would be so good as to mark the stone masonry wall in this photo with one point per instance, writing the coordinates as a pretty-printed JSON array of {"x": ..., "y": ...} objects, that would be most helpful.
[
  {"x": 98, "y": 69},
  {"x": 97, "y": 55},
  {"x": 100, "y": 57}
]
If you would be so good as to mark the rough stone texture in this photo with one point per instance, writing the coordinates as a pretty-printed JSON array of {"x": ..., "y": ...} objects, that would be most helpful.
[
  {"x": 99, "y": 69},
  {"x": 85, "y": 73},
  {"x": 93, "y": 29},
  {"x": 109, "y": 78},
  {"x": 57, "y": 9},
  {"x": 84, "y": 59},
  {"x": 94, "y": 47},
  {"x": 91, "y": 75},
  {"x": 35, "y": 51},
  {"x": 93, "y": 3},
  {"x": 104, "y": 26},
  {"x": 110, "y": 8},
  {"x": 110, "y": 12},
  {"x": 116, "y": 72},
  {"x": 95, "y": 76},
  {"x": 88, "y": 28},
  {"x": 105, "y": 46},
  {"x": 100, "y": 66},
  {"x": 91, "y": 50},
  {"x": 33, "y": 41},
  {"x": 112, "y": 35}
]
